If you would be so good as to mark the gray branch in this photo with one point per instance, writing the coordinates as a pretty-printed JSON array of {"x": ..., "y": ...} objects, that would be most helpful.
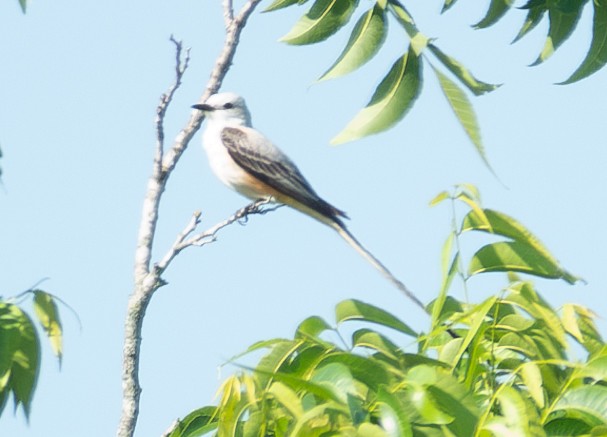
[{"x": 147, "y": 277}]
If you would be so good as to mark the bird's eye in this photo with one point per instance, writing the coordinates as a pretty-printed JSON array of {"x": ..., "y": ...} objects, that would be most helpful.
[{"x": 228, "y": 106}]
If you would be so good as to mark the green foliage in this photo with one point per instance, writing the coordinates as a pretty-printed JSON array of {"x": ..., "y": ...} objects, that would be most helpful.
[
  {"x": 400, "y": 87},
  {"x": 500, "y": 367},
  {"x": 20, "y": 346}
]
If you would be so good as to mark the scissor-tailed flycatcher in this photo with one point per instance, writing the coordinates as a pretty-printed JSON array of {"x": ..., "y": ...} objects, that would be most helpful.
[{"x": 245, "y": 160}]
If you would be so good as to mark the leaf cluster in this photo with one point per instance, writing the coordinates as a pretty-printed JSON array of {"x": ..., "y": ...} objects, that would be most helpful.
[
  {"x": 20, "y": 346},
  {"x": 398, "y": 90},
  {"x": 500, "y": 367}
]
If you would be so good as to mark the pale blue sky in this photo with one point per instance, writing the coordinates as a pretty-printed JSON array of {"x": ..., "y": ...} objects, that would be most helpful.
[{"x": 80, "y": 84}]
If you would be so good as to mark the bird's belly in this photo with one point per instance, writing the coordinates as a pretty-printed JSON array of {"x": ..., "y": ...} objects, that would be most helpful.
[{"x": 232, "y": 175}]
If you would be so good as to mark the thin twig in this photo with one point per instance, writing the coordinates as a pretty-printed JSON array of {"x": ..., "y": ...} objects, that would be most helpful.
[
  {"x": 228, "y": 13},
  {"x": 181, "y": 65},
  {"x": 183, "y": 242},
  {"x": 147, "y": 279}
]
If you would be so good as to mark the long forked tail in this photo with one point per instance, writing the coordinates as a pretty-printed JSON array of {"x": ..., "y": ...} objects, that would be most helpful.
[{"x": 343, "y": 231}]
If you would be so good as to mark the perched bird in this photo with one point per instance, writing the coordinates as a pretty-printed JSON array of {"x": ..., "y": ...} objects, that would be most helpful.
[{"x": 247, "y": 161}]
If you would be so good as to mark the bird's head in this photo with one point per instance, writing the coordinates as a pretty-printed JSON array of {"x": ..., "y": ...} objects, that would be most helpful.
[{"x": 228, "y": 108}]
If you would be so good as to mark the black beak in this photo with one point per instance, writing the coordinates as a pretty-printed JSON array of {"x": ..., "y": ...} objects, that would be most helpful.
[{"x": 203, "y": 107}]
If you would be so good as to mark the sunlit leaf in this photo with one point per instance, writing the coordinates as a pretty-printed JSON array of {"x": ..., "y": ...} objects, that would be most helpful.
[
  {"x": 534, "y": 16},
  {"x": 470, "y": 199},
  {"x": 516, "y": 417},
  {"x": 338, "y": 377},
  {"x": 532, "y": 378},
  {"x": 312, "y": 327},
  {"x": 589, "y": 400},
  {"x": 324, "y": 18},
  {"x": 565, "y": 426},
  {"x": 497, "y": 9},
  {"x": 48, "y": 316},
  {"x": 366, "y": 370},
  {"x": 287, "y": 397},
  {"x": 595, "y": 368},
  {"x": 403, "y": 17},
  {"x": 26, "y": 360},
  {"x": 462, "y": 73},
  {"x": 460, "y": 402},
  {"x": 353, "y": 309},
  {"x": 562, "y": 24},
  {"x": 461, "y": 106},
  {"x": 280, "y": 4},
  {"x": 521, "y": 257},
  {"x": 374, "y": 340},
  {"x": 393, "y": 414},
  {"x": 526, "y": 254},
  {"x": 197, "y": 423},
  {"x": 443, "y": 195},
  {"x": 476, "y": 318},
  {"x": 273, "y": 361},
  {"x": 447, "y": 5},
  {"x": 392, "y": 99},
  {"x": 427, "y": 407},
  {"x": 524, "y": 296},
  {"x": 596, "y": 57},
  {"x": 365, "y": 41}
]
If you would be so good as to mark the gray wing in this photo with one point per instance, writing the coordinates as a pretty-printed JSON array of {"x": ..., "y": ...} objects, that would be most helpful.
[{"x": 256, "y": 155}]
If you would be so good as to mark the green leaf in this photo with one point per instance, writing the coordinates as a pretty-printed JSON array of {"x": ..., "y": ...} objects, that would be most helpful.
[
  {"x": 588, "y": 400},
  {"x": 427, "y": 407},
  {"x": 449, "y": 270},
  {"x": 324, "y": 18},
  {"x": 596, "y": 57},
  {"x": 534, "y": 16},
  {"x": 197, "y": 423},
  {"x": 374, "y": 340},
  {"x": 353, "y": 309},
  {"x": 274, "y": 360},
  {"x": 460, "y": 402},
  {"x": 48, "y": 316},
  {"x": 392, "y": 414},
  {"x": 404, "y": 18},
  {"x": 532, "y": 378},
  {"x": 369, "y": 430},
  {"x": 567, "y": 427},
  {"x": 26, "y": 361},
  {"x": 476, "y": 317},
  {"x": 366, "y": 370},
  {"x": 464, "y": 112},
  {"x": 462, "y": 73},
  {"x": 562, "y": 24},
  {"x": 443, "y": 195},
  {"x": 280, "y": 4},
  {"x": 23, "y": 4},
  {"x": 287, "y": 397},
  {"x": 337, "y": 377},
  {"x": 393, "y": 97},
  {"x": 516, "y": 418},
  {"x": 526, "y": 254},
  {"x": 517, "y": 256},
  {"x": 447, "y": 5},
  {"x": 365, "y": 41},
  {"x": 580, "y": 324},
  {"x": 313, "y": 326},
  {"x": 497, "y": 9}
]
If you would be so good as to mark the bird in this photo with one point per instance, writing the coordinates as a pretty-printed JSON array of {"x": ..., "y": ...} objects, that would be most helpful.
[{"x": 245, "y": 160}]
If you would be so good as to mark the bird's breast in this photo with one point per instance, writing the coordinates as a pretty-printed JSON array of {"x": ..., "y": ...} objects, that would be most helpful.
[{"x": 229, "y": 172}]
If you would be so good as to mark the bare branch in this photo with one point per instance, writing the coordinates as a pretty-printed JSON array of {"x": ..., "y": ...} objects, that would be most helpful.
[
  {"x": 147, "y": 279},
  {"x": 209, "y": 236},
  {"x": 228, "y": 13},
  {"x": 181, "y": 65}
]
